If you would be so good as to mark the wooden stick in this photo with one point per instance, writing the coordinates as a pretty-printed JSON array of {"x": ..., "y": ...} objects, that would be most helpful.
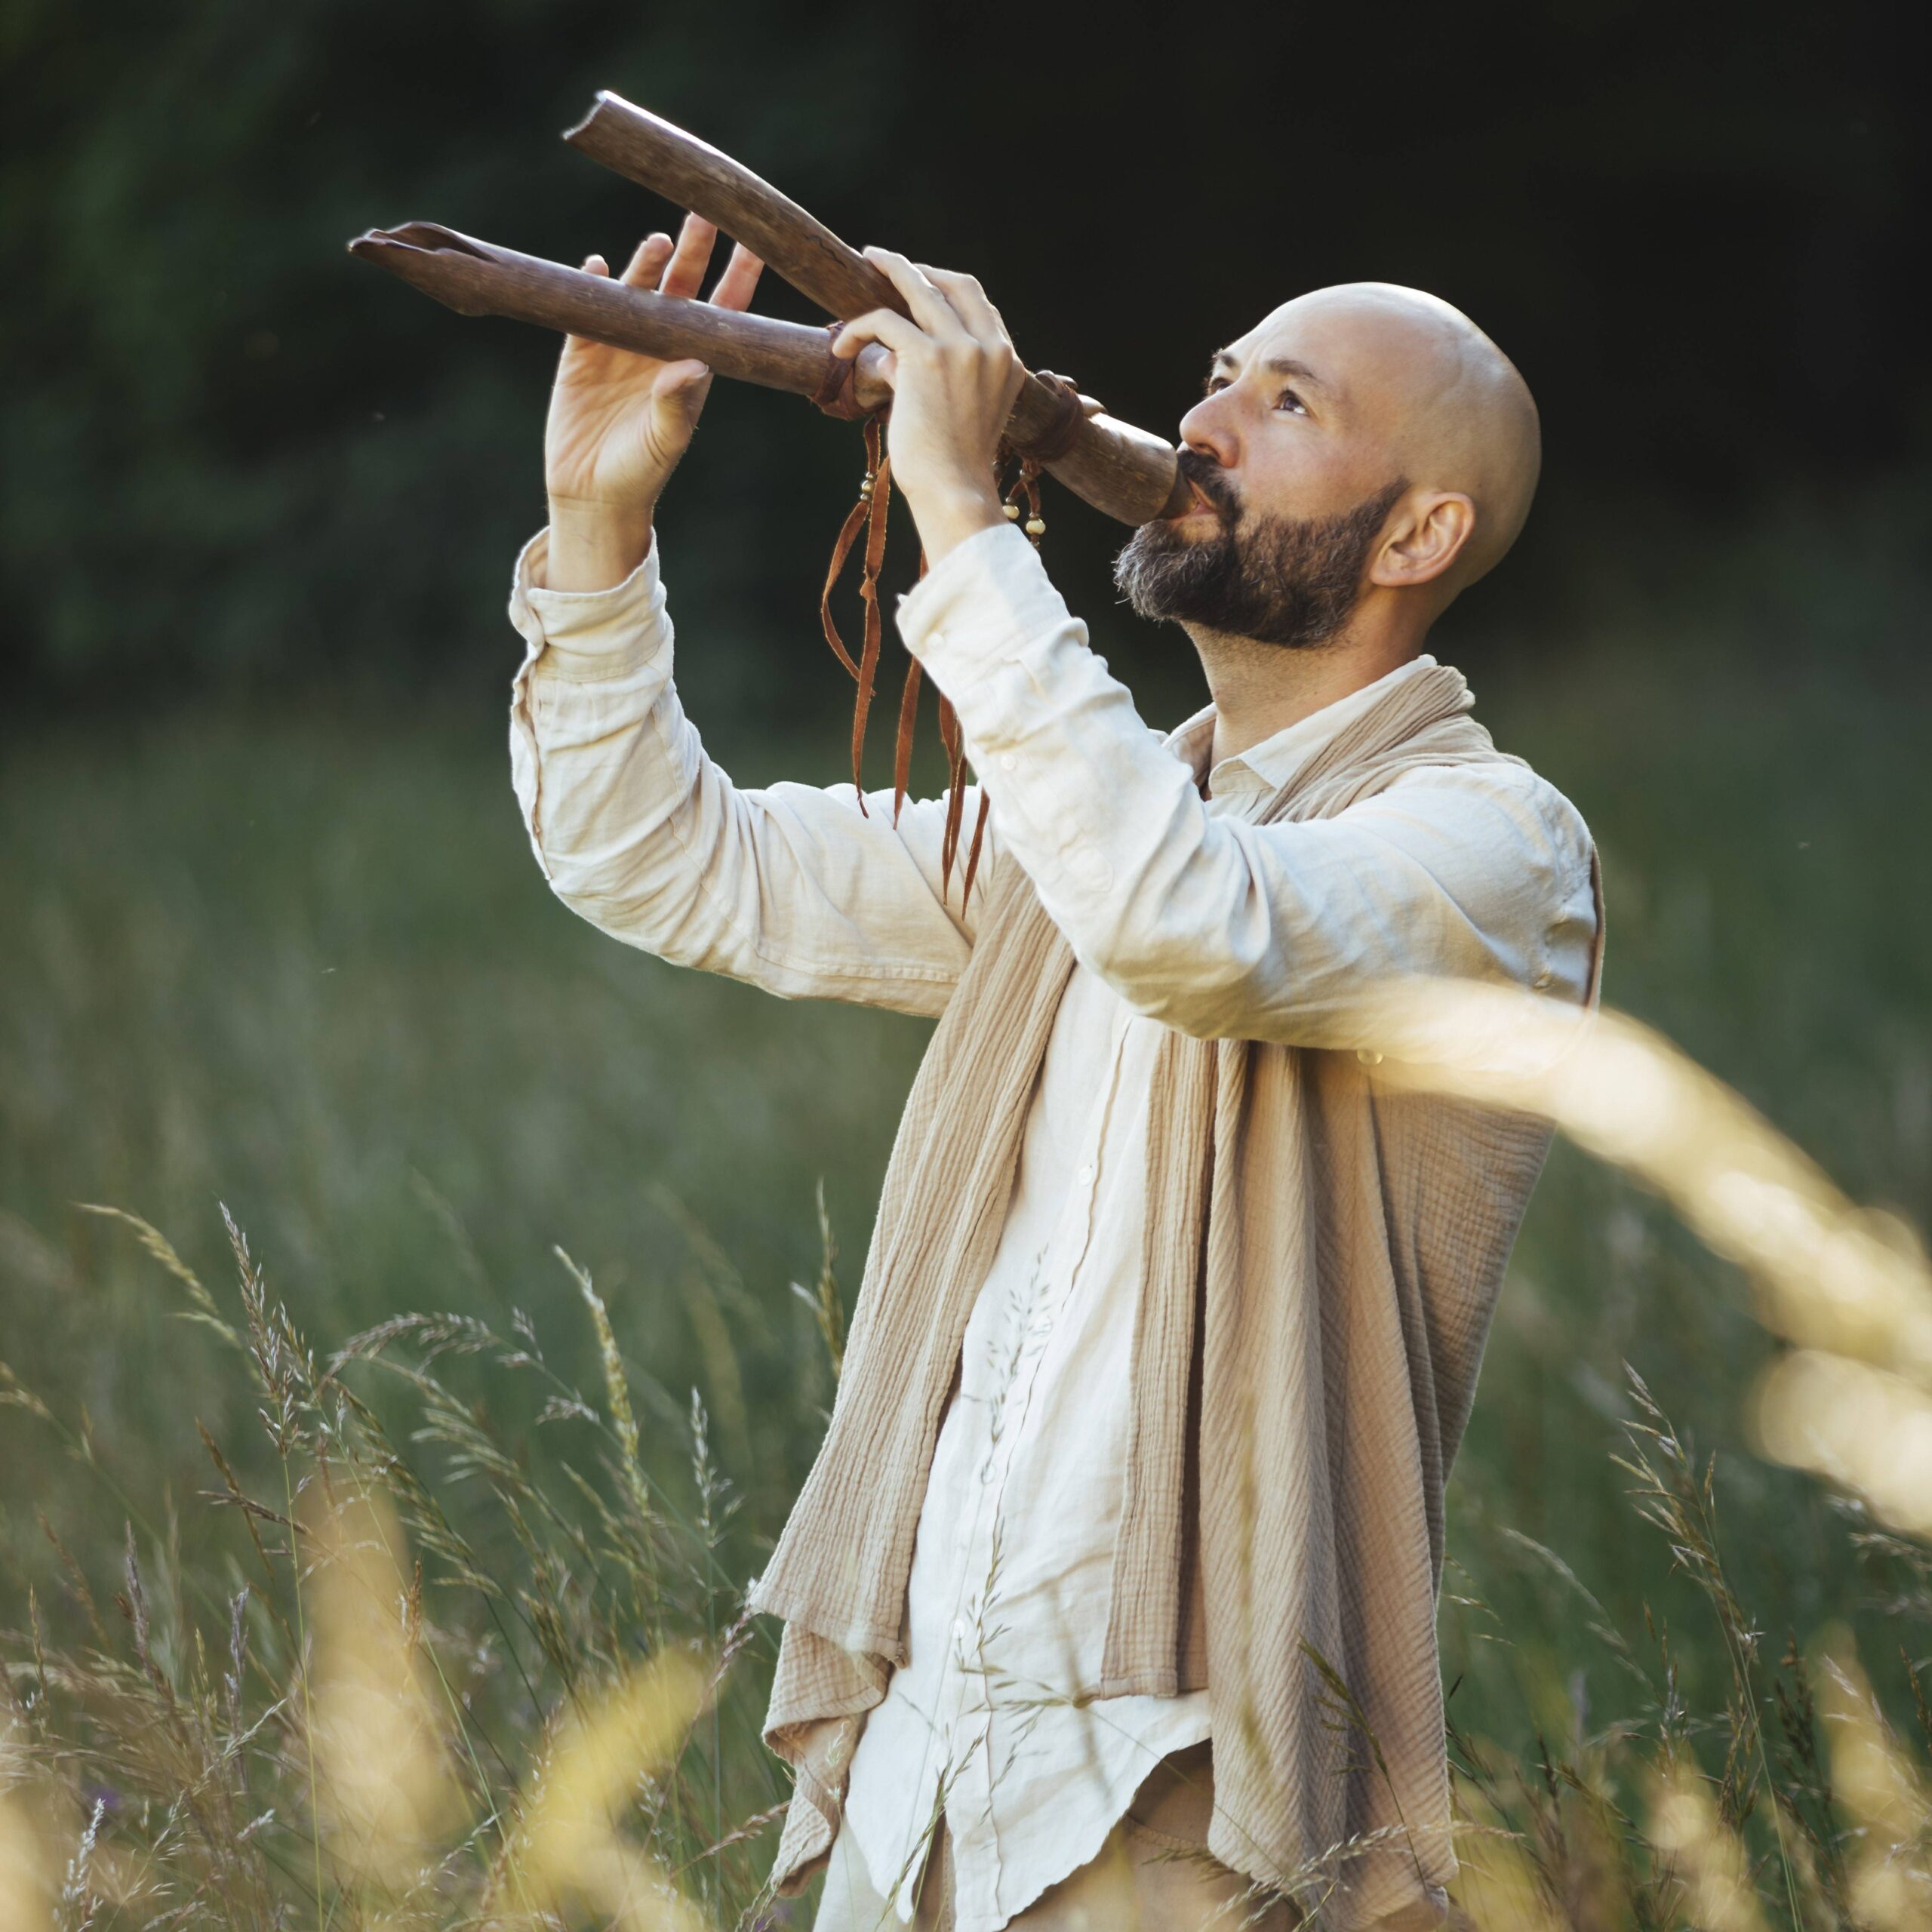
[
  {"x": 1121, "y": 471},
  {"x": 1117, "y": 469},
  {"x": 641, "y": 146},
  {"x": 478, "y": 279}
]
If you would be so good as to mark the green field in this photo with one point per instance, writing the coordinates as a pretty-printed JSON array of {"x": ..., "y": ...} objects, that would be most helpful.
[{"x": 304, "y": 965}]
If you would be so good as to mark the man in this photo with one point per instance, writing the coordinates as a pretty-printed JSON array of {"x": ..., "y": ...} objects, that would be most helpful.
[{"x": 1110, "y": 1600}]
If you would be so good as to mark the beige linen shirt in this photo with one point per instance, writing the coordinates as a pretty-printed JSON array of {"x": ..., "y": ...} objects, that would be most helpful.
[{"x": 995, "y": 1717}]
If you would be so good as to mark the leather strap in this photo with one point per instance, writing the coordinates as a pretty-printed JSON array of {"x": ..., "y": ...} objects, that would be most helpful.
[
  {"x": 1057, "y": 438},
  {"x": 835, "y": 394}
]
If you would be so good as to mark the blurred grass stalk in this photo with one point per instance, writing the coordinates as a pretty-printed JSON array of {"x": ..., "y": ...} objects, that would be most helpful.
[
  {"x": 567, "y": 1847},
  {"x": 364, "y": 1747},
  {"x": 384, "y": 1788},
  {"x": 336, "y": 1764},
  {"x": 1850, "y": 1285}
]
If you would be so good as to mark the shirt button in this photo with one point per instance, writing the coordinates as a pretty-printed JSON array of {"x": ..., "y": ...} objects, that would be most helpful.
[
  {"x": 1541, "y": 980},
  {"x": 935, "y": 640},
  {"x": 1092, "y": 871},
  {"x": 1368, "y": 1056},
  {"x": 1086, "y": 1176},
  {"x": 1007, "y": 761}
]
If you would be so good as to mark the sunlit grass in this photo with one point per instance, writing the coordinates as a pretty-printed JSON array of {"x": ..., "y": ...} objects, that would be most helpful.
[
  {"x": 315, "y": 974},
  {"x": 607, "y": 1617}
]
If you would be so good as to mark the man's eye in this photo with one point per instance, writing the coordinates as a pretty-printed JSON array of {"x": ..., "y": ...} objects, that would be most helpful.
[
  {"x": 1213, "y": 383},
  {"x": 1289, "y": 400}
]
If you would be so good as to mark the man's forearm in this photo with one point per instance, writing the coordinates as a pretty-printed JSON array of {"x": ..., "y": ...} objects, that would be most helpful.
[
  {"x": 789, "y": 887},
  {"x": 595, "y": 546},
  {"x": 1286, "y": 932}
]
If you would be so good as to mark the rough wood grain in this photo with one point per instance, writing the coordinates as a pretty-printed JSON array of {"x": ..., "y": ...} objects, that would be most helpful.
[
  {"x": 643, "y": 147},
  {"x": 1121, "y": 470},
  {"x": 479, "y": 278},
  {"x": 1125, "y": 472}
]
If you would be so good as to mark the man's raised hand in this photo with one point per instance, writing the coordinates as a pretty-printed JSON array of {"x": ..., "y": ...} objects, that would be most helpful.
[
  {"x": 954, "y": 377},
  {"x": 619, "y": 422}
]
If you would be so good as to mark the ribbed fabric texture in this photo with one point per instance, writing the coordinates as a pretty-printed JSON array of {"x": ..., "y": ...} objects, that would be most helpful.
[{"x": 1322, "y": 1261}]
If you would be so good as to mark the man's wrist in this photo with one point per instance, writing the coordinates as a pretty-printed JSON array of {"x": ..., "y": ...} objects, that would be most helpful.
[
  {"x": 594, "y": 545},
  {"x": 949, "y": 514}
]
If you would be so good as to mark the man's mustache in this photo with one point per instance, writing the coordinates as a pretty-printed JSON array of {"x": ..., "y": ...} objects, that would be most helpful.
[{"x": 1211, "y": 480}]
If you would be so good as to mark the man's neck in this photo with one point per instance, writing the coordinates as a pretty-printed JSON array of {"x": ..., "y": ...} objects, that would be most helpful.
[{"x": 1259, "y": 689}]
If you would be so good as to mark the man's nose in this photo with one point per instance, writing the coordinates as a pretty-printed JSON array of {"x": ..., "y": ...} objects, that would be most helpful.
[{"x": 1209, "y": 430}]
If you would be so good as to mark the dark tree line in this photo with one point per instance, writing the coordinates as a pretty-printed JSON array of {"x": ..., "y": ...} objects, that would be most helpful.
[{"x": 235, "y": 458}]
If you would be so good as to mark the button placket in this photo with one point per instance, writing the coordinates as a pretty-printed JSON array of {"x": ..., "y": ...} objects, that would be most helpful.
[
  {"x": 970, "y": 1719},
  {"x": 1087, "y": 1175}
]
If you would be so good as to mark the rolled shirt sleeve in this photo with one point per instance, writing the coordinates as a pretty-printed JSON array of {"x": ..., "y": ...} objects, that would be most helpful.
[
  {"x": 1218, "y": 927},
  {"x": 789, "y": 887}
]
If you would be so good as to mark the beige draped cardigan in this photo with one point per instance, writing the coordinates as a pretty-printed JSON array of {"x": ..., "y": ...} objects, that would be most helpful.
[{"x": 1322, "y": 1257}]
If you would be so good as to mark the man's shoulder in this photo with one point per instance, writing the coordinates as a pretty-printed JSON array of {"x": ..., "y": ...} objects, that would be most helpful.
[
  {"x": 1515, "y": 776},
  {"x": 1514, "y": 786}
]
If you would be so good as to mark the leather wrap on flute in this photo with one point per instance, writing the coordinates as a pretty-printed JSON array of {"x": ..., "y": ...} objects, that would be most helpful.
[{"x": 1119, "y": 469}]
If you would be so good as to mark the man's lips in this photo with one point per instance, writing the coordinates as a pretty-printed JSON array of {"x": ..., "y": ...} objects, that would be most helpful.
[{"x": 1202, "y": 504}]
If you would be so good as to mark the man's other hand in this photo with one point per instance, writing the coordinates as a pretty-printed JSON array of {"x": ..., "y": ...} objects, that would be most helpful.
[
  {"x": 620, "y": 422},
  {"x": 954, "y": 378}
]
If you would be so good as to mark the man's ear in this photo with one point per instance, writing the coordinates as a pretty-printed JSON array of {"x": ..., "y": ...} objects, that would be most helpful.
[{"x": 1430, "y": 533}]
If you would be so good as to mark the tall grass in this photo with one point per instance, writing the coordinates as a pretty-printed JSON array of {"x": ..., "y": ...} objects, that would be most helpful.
[
  {"x": 527, "y": 1691},
  {"x": 309, "y": 968},
  {"x": 375, "y": 1698}
]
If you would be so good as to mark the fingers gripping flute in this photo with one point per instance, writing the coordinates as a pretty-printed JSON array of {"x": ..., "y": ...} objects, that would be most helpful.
[{"x": 1121, "y": 470}]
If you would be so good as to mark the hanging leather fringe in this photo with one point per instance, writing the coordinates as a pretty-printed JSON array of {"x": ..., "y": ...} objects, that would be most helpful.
[
  {"x": 954, "y": 743},
  {"x": 901, "y": 748},
  {"x": 908, "y": 713},
  {"x": 973, "y": 850},
  {"x": 955, "y": 747},
  {"x": 869, "y": 513}
]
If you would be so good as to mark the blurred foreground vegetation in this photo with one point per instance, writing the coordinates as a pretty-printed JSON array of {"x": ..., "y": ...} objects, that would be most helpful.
[{"x": 304, "y": 966}]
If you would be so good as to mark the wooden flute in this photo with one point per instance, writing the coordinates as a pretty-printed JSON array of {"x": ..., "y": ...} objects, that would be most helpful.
[{"x": 1121, "y": 470}]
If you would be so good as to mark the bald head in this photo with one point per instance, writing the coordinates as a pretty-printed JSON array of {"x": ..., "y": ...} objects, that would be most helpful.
[
  {"x": 1407, "y": 373},
  {"x": 1337, "y": 395},
  {"x": 1360, "y": 456}
]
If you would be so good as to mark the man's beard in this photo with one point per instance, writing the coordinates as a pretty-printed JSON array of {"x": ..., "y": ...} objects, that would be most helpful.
[{"x": 1286, "y": 580}]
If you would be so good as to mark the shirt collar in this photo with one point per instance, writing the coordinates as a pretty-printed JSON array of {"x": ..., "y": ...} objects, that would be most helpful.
[{"x": 1268, "y": 766}]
